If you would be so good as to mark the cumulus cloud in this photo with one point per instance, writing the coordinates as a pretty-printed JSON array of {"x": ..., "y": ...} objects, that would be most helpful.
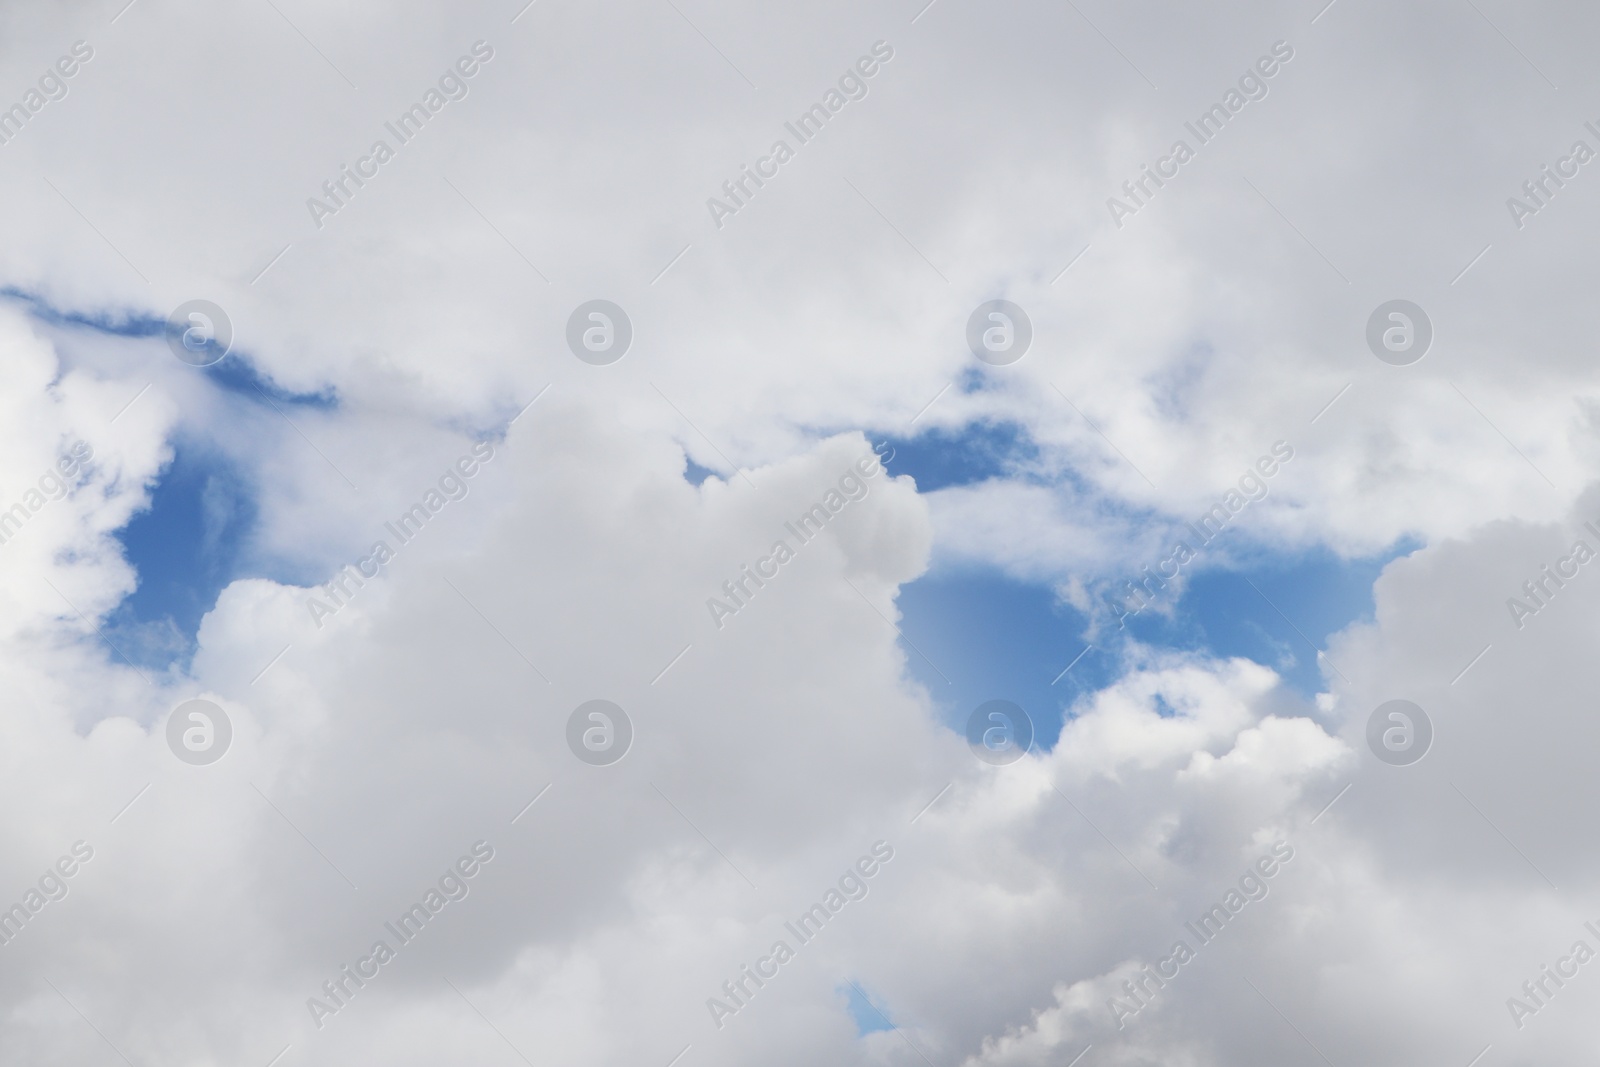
[{"x": 457, "y": 533}]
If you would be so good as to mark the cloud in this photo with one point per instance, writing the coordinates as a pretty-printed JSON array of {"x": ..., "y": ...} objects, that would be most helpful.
[{"x": 375, "y": 745}]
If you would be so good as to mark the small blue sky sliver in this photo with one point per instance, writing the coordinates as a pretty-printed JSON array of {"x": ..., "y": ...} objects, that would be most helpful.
[{"x": 869, "y": 1019}]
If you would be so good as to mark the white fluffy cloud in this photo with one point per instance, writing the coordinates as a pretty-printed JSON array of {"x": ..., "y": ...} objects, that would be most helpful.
[{"x": 381, "y": 734}]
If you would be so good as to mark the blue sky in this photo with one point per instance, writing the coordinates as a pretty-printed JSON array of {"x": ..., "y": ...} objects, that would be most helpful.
[
  {"x": 236, "y": 373},
  {"x": 191, "y": 540},
  {"x": 187, "y": 546},
  {"x": 869, "y": 1017},
  {"x": 195, "y": 535},
  {"x": 974, "y": 633}
]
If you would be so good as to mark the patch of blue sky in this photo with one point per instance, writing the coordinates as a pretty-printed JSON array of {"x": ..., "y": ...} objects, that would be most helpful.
[
  {"x": 940, "y": 458},
  {"x": 235, "y": 373},
  {"x": 973, "y": 633},
  {"x": 976, "y": 634},
  {"x": 869, "y": 1019},
  {"x": 186, "y": 547},
  {"x": 695, "y": 474},
  {"x": 1277, "y": 609}
]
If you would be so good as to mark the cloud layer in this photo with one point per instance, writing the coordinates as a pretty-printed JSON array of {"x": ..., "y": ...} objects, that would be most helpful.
[{"x": 462, "y": 531}]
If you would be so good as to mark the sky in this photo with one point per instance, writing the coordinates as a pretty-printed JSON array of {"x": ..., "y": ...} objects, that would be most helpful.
[{"x": 684, "y": 533}]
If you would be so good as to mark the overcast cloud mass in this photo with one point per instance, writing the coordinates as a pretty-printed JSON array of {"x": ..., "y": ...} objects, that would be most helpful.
[{"x": 678, "y": 533}]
